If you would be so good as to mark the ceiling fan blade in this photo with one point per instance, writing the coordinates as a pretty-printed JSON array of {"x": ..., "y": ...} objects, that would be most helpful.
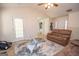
[
  {"x": 56, "y": 5},
  {"x": 40, "y": 4},
  {"x": 46, "y": 8}
]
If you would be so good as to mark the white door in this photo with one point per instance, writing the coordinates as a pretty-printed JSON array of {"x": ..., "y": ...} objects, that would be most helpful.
[{"x": 18, "y": 27}]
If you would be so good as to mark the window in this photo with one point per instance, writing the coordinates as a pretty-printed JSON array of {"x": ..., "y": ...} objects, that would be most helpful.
[
  {"x": 18, "y": 25},
  {"x": 55, "y": 25},
  {"x": 66, "y": 24},
  {"x": 61, "y": 24}
]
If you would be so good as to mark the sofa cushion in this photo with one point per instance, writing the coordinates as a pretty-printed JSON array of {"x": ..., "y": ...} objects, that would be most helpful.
[{"x": 57, "y": 37}]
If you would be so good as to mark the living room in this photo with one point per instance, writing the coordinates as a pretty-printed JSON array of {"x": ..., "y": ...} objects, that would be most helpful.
[{"x": 22, "y": 22}]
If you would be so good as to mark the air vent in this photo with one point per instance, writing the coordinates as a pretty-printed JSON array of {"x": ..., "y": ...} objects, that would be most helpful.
[{"x": 69, "y": 10}]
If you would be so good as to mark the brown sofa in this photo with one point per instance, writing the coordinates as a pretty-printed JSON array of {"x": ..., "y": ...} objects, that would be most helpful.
[{"x": 60, "y": 36}]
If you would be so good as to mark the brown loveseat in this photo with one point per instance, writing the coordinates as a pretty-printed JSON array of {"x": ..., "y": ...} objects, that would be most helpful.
[{"x": 60, "y": 36}]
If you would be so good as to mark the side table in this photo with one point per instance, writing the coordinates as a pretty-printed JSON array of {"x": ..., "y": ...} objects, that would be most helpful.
[{"x": 75, "y": 42}]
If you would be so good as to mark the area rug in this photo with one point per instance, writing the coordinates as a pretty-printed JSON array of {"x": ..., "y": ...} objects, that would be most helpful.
[{"x": 40, "y": 48}]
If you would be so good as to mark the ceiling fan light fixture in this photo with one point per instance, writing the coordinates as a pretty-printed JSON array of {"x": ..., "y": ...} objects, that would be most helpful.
[
  {"x": 52, "y": 5},
  {"x": 48, "y": 6}
]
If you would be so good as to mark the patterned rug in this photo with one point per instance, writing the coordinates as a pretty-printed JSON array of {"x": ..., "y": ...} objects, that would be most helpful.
[{"x": 40, "y": 48}]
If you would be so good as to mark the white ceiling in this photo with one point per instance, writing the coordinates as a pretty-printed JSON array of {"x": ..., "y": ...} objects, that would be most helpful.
[{"x": 52, "y": 12}]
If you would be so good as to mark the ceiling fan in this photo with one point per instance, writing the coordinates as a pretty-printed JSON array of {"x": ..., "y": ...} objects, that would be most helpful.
[{"x": 48, "y": 5}]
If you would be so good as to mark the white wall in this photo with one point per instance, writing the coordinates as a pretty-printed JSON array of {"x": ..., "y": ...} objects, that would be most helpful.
[
  {"x": 0, "y": 24},
  {"x": 29, "y": 16},
  {"x": 74, "y": 24}
]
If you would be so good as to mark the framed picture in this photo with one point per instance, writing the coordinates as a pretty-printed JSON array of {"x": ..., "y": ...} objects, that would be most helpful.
[
  {"x": 51, "y": 26},
  {"x": 40, "y": 25}
]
